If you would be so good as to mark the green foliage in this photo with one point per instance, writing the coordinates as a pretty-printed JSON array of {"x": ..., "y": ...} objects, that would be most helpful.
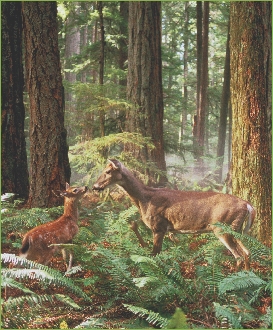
[
  {"x": 39, "y": 272},
  {"x": 110, "y": 267},
  {"x": 240, "y": 292},
  {"x": 150, "y": 316},
  {"x": 28, "y": 304},
  {"x": 178, "y": 320}
]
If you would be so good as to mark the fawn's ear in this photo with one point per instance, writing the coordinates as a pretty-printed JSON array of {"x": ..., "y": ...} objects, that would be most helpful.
[{"x": 67, "y": 186}]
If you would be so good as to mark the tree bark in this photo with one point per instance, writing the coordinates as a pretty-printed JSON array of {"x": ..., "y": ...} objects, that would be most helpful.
[
  {"x": 202, "y": 103},
  {"x": 14, "y": 178},
  {"x": 144, "y": 87},
  {"x": 185, "y": 64},
  {"x": 223, "y": 114},
  {"x": 49, "y": 164},
  {"x": 250, "y": 44},
  {"x": 101, "y": 67}
]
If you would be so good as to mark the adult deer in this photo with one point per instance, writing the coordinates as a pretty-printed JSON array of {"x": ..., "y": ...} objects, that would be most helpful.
[
  {"x": 39, "y": 243},
  {"x": 165, "y": 210}
]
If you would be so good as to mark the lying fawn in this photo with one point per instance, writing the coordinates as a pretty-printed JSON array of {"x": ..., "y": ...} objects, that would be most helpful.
[
  {"x": 38, "y": 243},
  {"x": 164, "y": 210}
]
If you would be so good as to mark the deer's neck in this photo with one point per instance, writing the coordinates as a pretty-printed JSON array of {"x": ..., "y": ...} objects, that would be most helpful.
[
  {"x": 71, "y": 208},
  {"x": 138, "y": 192}
]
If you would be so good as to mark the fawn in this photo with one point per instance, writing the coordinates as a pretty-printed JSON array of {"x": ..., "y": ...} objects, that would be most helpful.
[{"x": 39, "y": 243}]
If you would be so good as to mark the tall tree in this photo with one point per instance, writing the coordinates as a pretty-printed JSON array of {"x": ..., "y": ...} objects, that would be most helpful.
[
  {"x": 101, "y": 65},
  {"x": 185, "y": 74},
  {"x": 202, "y": 97},
  {"x": 49, "y": 164},
  {"x": 14, "y": 176},
  {"x": 250, "y": 46},
  {"x": 144, "y": 86},
  {"x": 224, "y": 107},
  {"x": 72, "y": 48}
]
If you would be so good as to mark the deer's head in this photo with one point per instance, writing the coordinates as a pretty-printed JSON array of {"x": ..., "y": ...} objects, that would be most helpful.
[
  {"x": 71, "y": 192},
  {"x": 111, "y": 174}
]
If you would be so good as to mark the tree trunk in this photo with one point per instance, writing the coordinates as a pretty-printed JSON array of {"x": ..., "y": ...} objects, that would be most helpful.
[
  {"x": 101, "y": 67},
  {"x": 250, "y": 44},
  {"x": 223, "y": 115},
  {"x": 144, "y": 87},
  {"x": 49, "y": 164},
  {"x": 185, "y": 87},
  {"x": 123, "y": 51},
  {"x": 199, "y": 15},
  {"x": 202, "y": 103},
  {"x": 14, "y": 178}
]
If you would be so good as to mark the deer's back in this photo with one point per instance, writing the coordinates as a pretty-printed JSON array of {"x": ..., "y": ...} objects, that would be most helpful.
[{"x": 186, "y": 210}]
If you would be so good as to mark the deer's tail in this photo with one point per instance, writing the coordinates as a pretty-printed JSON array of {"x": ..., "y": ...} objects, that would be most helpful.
[
  {"x": 24, "y": 248},
  {"x": 250, "y": 218}
]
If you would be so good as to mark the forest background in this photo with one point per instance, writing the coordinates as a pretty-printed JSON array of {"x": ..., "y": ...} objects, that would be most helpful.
[{"x": 179, "y": 91}]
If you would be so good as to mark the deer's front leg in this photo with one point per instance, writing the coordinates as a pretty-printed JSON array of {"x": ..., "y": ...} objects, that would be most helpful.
[{"x": 158, "y": 240}]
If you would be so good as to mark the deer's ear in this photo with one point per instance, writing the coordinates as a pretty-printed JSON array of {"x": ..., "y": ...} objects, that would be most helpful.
[
  {"x": 67, "y": 186},
  {"x": 115, "y": 163}
]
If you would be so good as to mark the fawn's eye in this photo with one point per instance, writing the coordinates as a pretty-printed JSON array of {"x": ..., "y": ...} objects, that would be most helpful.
[
  {"x": 75, "y": 190},
  {"x": 108, "y": 171}
]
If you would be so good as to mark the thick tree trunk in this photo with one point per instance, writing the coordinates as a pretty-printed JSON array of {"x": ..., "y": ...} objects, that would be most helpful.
[
  {"x": 49, "y": 164},
  {"x": 223, "y": 115},
  {"x": 14, "y": 178},
  {"x": 144, "y": 87},
  {"x": 250, "y": 44}
]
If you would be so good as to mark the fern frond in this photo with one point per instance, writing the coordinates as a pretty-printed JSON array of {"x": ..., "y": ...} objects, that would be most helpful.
[
  {"x": 224, "y": 312},
  {"x": 150, "y": 316},
  {"x": 31, "y": 300},
  {"x": 11, "y": 283},
  {"x": 67, "y": 300},
  {"x": 39, "y": 272},
  {"x": 240, "y": 281}
]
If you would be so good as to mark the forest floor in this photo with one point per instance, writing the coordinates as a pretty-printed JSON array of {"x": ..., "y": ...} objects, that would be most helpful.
[{"x": 57, "y": 315}]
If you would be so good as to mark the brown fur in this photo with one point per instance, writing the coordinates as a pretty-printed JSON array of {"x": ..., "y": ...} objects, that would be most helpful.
[
  {"x": 164, "y": 210},
  {"x": 36, "y": 243}
]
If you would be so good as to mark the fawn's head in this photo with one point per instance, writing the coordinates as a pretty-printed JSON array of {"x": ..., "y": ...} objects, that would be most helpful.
[
  {"x": 111, "y": 174},
  {"x": 72, "y": 192}
]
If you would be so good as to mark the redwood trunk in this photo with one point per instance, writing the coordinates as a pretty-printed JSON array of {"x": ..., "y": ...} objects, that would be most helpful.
[
  {"x": 144, "y": 87},
  {"x": 250, "y": 47},
  {"x": 14, "y": 178},
  {"x": 49, "y": 165}
]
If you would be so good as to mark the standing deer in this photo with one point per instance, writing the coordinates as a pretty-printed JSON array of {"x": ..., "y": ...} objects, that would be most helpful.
[
  {"x": 38, "y": 243},
  {"x": 188, "y": 212}
]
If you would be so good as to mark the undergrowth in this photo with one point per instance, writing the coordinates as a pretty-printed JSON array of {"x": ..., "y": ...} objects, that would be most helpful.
[{"x": 192, "y": 283}]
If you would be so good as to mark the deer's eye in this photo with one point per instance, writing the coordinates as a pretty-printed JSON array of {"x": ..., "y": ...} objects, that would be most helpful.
[
  {"x": 108, "y": 171},
  {"x": 75, "y": 190}
]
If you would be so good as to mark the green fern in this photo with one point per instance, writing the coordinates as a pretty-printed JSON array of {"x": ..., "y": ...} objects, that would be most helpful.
[
  {"x": 40, "y": 272},
  {"x": 225, "y": 312},
  {"x": 150, "y": 316},
  {"x": 240, "y": 281}
]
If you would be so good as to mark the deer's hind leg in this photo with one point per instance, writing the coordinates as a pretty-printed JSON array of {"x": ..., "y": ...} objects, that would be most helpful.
[{"x": 236, "y": 247}]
